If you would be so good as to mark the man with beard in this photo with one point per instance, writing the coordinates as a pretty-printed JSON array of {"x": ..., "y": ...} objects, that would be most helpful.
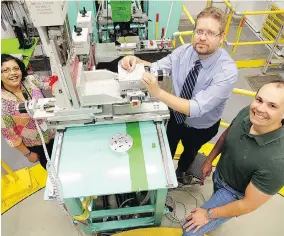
[{"x": 203, "y": 76}]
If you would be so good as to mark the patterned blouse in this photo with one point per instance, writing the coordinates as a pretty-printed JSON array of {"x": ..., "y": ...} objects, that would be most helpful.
[{"x": 16, "y": 127}]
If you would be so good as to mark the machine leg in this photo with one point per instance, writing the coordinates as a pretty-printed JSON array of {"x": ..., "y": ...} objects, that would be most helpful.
[
  {"x": 160, "y": 205},
  {"x": 74, "y": 205}
]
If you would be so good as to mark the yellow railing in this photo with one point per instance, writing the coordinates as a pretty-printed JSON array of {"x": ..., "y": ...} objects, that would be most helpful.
[
  {"x": 10, "y": 172},
  {"x": 208, "y": 4},
  {"x": 238, "y": 92},
  {"x": 229, "y": 5},
  {"x": 244, "y": 92},
  {"x": 179, "y": 35},
  {"x": 232, "y": 12},
  {"x": 183, "y": 33},
  {"x": 181, "y": 39},
  {"x": 188, "y": 14},
  {"x": 224, "y": 124}
]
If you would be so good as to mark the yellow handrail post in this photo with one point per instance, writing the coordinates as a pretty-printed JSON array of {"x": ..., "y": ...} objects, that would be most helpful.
[
  {"x": 174, "y": 43},
  {"x": 184, "y": 33},
  {"x": 188, "y": 14},
  {"x": 5, "y": 179},
  {"x": 244, "y": 92},
  {"x": 157, "y": 26},
  {"x": 228, "y": 4},
  {"x": 224, "y": 124},
  {"x": 9, "y": 170},
  {"x": 239, "y": 92},
  {"x": 239, "y": 31},
  {"x": 208, "y": 4},
  {"x": 230, "y": 17},
  {"x": 263, "y": 12},
  {"x": 254, "y": 43},
  {"x": 180, "y": 34},
  {"x": 181, "y": 39}
]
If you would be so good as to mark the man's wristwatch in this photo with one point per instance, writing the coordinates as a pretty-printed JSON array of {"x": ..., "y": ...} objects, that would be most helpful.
[
  {"x": 28, "y": 154},
  {"x": 209, "y": 214}
]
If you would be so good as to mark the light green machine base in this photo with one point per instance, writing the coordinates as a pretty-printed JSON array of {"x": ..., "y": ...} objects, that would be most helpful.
[
  {"x": 156, "y": 209},
  {"x": 88, "y": 167}
]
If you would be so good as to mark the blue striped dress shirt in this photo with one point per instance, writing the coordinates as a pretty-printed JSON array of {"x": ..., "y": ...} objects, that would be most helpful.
[{"x": 213, "y": 87}]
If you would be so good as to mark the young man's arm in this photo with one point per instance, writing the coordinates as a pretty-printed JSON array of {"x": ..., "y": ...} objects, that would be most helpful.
[
  {"x": 207, "y": 166},
  {"x": 218, "y": 146},
  {"x": 253, "y": 199}
]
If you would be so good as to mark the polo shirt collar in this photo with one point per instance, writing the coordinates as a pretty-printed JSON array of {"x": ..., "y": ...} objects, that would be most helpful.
[
  {"x": 265, "y": 138},
  {"x": 207, "y": 62}
]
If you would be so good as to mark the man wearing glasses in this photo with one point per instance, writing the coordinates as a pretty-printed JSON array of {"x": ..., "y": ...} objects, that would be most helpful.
[{"x": 203, "y": 76}]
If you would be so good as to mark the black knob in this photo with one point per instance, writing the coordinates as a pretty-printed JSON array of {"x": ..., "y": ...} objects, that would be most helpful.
[
  {"x": 77, "y": 30},
  {"x": 83, "y": 12}
]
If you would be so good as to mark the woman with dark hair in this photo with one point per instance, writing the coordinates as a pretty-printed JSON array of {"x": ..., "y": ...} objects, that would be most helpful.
[{"x": 19, "y": 130}]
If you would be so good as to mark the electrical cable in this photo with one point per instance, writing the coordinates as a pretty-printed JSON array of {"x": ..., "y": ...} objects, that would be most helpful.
[
  {"x": 53, "y": 175},
  {"x": 169, "y": 17},
  {"x": 173, "y": 204},
  {"x": 146, "y": 198},
  {"x": 55, "y": 181},
  {"x": 172, "y": 215},
  {"x": 127, "y": 200}
]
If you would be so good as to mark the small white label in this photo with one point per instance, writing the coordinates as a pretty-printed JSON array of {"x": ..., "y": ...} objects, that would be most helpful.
[
  {"x": 43, "y": 126},
  {"x": 79, "y": 45}
]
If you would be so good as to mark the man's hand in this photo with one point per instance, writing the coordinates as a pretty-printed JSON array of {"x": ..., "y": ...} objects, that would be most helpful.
[
  {"x": 33, "y": 157},
  {"x": 151, "y": 83},
  {"x": 196, "y": 219},
  {"x": 128, "y": 63},
  {"x": 206, "y": 168}
]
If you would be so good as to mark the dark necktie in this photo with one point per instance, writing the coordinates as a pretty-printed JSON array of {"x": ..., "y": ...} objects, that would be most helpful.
[{"x": 187, "y": 89}]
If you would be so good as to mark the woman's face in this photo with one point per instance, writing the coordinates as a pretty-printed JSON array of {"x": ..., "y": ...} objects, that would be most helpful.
[{"x": 11, "y": 74}]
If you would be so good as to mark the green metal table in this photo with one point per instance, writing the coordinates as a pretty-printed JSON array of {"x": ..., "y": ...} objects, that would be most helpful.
[{"x": 89, "y": 167}]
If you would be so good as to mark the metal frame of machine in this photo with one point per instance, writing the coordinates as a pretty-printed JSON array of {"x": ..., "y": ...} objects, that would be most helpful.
[{"x": 98, "y": 97}]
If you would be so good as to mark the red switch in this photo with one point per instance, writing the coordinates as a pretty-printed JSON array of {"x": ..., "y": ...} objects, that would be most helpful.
[
  {"x": 163, "y": 33},
  {"x": 151, "y": 42},
  {"x": 134, "y": 103},
  {"x": 53, "y": 79}
]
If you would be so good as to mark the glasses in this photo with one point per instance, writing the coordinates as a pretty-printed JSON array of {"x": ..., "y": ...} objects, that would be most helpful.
[
  {"x": 8, "y": 70},
  {"x": 208, "y": 34}
]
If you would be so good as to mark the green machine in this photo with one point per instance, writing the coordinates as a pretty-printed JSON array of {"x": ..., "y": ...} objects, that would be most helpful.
[
  {"x": 114, "y": 176},
  {"x": 128, "y": 18}
]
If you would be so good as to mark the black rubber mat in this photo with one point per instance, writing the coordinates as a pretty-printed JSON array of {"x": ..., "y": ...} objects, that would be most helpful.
[{"x": 256, "y": 81}]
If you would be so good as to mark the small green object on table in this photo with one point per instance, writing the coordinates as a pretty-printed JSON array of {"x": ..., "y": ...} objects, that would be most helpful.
[{"x": 11, "y": 46}]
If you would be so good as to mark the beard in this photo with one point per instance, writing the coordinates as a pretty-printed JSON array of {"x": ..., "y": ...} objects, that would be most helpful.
[{"x": 205, "y": 51}]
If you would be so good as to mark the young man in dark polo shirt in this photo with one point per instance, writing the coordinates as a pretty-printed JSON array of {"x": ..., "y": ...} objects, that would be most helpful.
[{"x": 251, "y": 167}]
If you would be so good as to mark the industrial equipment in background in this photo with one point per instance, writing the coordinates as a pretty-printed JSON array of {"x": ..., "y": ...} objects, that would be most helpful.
[{"x": 22, "y": 26}]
